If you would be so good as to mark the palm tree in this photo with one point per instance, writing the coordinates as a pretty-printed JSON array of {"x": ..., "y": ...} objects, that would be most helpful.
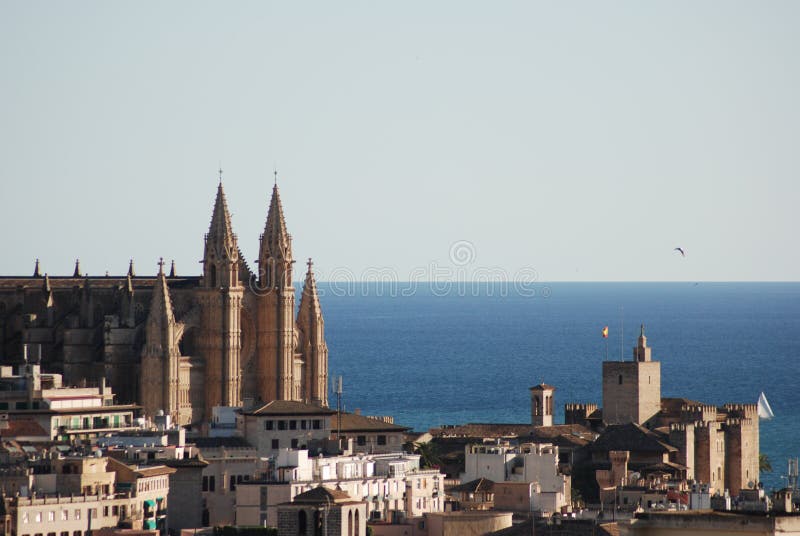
[
  {"x": 429, "y": 454},
  {"x": 764, "y": 464}
]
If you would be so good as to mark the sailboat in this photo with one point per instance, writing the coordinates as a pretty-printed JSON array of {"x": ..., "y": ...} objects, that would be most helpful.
[{"x": 764, "y": 411}]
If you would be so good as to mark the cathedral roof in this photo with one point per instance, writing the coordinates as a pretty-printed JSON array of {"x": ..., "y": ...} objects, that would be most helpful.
[{"x": 632, "y": 437}]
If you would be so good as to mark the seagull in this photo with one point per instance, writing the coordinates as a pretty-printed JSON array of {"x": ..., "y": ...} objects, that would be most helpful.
[{"x": 683, "y": 254}]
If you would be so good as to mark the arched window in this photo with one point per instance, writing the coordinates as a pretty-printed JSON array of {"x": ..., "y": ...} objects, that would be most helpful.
[
  {"x": 620, "y": 379},
  {"x": 302, "y": 523},
  {"x": 350, "y": 523},
  {"x": 357, "y": 525},
  {"x": 213, "y": 275},
  {"x": 317, "y": 523}
]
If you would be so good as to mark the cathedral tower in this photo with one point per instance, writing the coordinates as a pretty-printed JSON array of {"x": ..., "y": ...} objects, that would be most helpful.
[
  {"x": 220, "y": 296},
  {"x": 542, "y": 404},
  {"x": 275, "y": 317},
  {"x": 160, "y": 378},
  {"x": 311, "y": 331}
]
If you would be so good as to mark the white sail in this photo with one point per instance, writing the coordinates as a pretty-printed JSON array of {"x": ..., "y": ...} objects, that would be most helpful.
[{"x": 764, "y": 411}]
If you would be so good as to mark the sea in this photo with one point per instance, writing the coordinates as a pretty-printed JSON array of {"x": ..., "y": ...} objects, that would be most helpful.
[{"x": 469, "y": 352}]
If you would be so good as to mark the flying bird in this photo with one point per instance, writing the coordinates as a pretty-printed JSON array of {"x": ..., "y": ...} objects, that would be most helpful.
[{"x": 683, "y": 253}]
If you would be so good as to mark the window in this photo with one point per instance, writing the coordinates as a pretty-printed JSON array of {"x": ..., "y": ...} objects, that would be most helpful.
[
  {"x": 25, "y": 518},
  {"x": 211, "y": 483},
  {"x": 294, "y": 443},
  {"x": 51, "y": 516},
  {"x": 105, "y": 511},
  {"x": 115, "y": 510},
  {"x": 292, "y": 425},
  {"x": 64, "y": 533},
  {"x": 76, "y": 533},
  {"x": 3, "y": 405},
  {"x": 275, "y": 444},
  {"x": 22, "y": 405},
  {"x": 77, "y": 513},
  {"x": 303, "y": 424},
  {"x": 64, "y": 517},
  {"x": 316, "y": 424},
  {"x": 268, "y": 425},
  {"x": 361, "y": 440},
  {"x": 232, "y": 483},
  {"x": 301, "y": 522},
  {"x": 381, "y": 440},
  {"x": 281, "y": 425},
  {"x": 620, "y": 379},
  {"x": 38, "y": 517}
]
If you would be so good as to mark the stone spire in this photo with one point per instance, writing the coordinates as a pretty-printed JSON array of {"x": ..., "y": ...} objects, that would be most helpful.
[
  {"x": 172, "y": 269},
  {"x": 77, "y": 272},
  {"x": 309, "y": 299},
  {"x": 161, "y": 314},
  {"x": 131, "y": 271},
  {"x": 221, "y": 259},
  {"x": 275, "y": 255},
  {"x": 312, "y": 344},
  {"x": 641, "y": 352},
  {"x": 221, "y": 230},
  {"x": 36, "y": 269},
  {"x": 160, "y": 356}
]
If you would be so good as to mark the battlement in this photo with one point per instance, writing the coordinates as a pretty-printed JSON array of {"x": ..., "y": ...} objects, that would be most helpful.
[
  {"x": 747, "y": 411},
  {"x": 738, "y": 422},
  {"x": 698, "y": 412},
  {"x": 577, "y": 413}
]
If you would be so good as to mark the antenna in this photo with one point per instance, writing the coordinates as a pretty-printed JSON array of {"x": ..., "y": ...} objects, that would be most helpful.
[
  {"x": 621, "y": 331},
  {"x": 339, "y": 408}
]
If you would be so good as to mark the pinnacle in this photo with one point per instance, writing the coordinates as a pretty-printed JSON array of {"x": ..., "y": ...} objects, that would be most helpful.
[
  {"x": 276, "y": 239},
  {"x": 221, "y": 228}
]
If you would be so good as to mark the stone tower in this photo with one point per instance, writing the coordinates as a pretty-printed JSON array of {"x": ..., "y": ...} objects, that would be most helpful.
[
  {"x": 311, "y": 338},
  {"x": 632, "y": 389},
  {"x": 220, "y": 298},
  {"x": 160, "y": 370},
  {"x": 542, "y": 404},
  {"x": 275, "y": 315}
]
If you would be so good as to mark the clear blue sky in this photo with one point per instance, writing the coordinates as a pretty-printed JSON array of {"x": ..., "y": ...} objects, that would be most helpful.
[{"x": 584, "y": 140}]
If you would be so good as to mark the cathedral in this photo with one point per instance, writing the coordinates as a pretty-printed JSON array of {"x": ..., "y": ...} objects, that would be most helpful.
[{"x": 181, "y": 344}]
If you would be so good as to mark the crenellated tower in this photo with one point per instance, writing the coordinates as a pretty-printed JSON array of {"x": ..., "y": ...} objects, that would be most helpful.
[
  {"x": 220, "y": 297},
  {"x": 275, "y": 317},
  {"x": 160, "y": 371},
  {"x": 312, "y": 346}
]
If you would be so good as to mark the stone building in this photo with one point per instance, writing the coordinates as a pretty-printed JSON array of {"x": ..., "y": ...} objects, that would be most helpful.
[
  {"x": 713, "y": 445},
  {"x": 194, "y": 342}
]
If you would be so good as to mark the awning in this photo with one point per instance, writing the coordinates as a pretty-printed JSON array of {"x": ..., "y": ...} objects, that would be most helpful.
[{"x": 150, "y": 502}]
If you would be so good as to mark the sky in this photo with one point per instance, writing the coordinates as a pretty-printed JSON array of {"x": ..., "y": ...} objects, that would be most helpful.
[{"x": 414, "y": 140}]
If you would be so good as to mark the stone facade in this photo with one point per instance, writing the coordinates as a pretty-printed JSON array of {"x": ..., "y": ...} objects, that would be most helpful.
[
  {"x": 194, "y": 342},
  {"x": 632, "y": 389}
]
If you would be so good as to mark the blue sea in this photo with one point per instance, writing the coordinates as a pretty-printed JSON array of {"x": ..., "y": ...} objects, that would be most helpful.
[{"x": 469, "y": 353}]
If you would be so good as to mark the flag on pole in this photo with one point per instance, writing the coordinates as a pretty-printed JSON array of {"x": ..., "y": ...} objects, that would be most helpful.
[{"x": 605, "y": 332}]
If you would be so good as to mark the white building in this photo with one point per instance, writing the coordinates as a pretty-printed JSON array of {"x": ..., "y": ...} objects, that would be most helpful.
[
  {"x": 386, "y": 482},
  {"x": 525, "y": 463}
]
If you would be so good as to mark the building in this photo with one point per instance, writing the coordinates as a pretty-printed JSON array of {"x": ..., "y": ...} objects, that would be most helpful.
[
  {"x": 372, "y": 435},
  {"x": 37, "y": 406},
  {"x": 701, "y": 523},
  {"x": 527, "y": 462},
  {"x": 385, "y": 482},
  {"x": 542, "y": 404},
  {"x": 194, "y": 342},
  {"x": 282, "y": 424},
  {"x": 322, "y": 512},
  {"x": 717, "y": 446}
]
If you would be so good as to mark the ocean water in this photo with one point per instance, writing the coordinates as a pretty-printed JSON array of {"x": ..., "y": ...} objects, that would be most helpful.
[{"x": 432, "y": 356}]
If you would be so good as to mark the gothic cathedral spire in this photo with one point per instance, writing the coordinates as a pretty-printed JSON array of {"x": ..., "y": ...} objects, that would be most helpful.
[
  {"x": 314, "y": 350},
  {"x": 160, "y": 374},
  {"x": 221, "y": 296},
  {"x": 276, "y": 334}
]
